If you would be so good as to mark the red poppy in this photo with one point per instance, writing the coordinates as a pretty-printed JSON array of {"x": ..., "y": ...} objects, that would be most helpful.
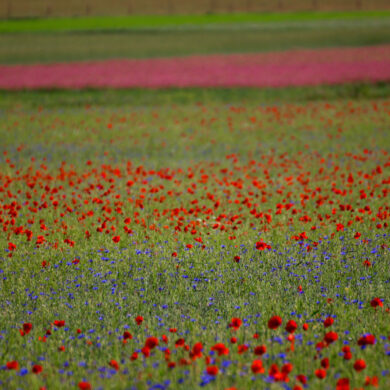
[
  {"x": 237, "y": 259},
  {"x": 274, "y": 322},
  {"x": 235, "y": 323},
  {"x": 376, "y": 302},
  {"x": 291, "y": 326},
  {"x": 27, "y": 326},
  {"x": 320, "y": 373},
  {"x": 13, "y": 365},
  {"x": 287, "y": 368},
  {"x": 59, "y": 323},
  {"x": 114, "y": 364},
  {"x": 36, "y": 368},
  {"x": 212, "y": 370},
  {"x": 359, "y": 365},
  {"x": 328, "y": 322},
  {"x": 134, "y": 356},
  {"x": 196, "y": 351},
  {"x": 368, "y": 339},
  {"x": 325, "y": 363},
  {"x": 85, "y": 386},
  {"x": 127, "y": 335},
  {"x": 242, "y": 348},
  {"x": 302, "y": 378},
  {"x": 179, "y": 342},
  {"x": 116, "y": 239},
  {"x": 139, "y": 320},
  {"x": 11, "y": 246},
  {"x": 330, "y": 337},
  {"x": 260, "y": 350},
  {"x": 257, "y": 367},
  {"x": 342, "y": 384},
  {"x": 151, "y": 342},
  {"x": 260, "y": 245},
  {"x": 305, "y": 326},
  {"x": 220, "y": 348}
]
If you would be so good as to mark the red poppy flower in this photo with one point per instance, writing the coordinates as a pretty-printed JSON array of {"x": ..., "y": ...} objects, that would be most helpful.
[
  {"x": 376, "y": 302},
  {"x": 13, "y": 365},
  {"x": 302, "y": 378},
  {"x": 305, "y": 326},
  {"x": 220, "y": 348},
  {"x": 260, "y": 245},
  {"x": 127, "y": 335},
  {"x": 212, "y": 370},
  {"x": 330, "y": 337},
  {"x": 257, "y": 367},
  {"x": 114, "y": 364},
  {"x": 291, "y": 326},
  {"x": 27, "y": 326},
  {"x": 242, "y": 348},
  {"x": 342, "y": 384},
  {"x": 196, "y": 351},
  {"x": 139, "y": 320},
  {"x": 320, "y": 373},
  {"x": 59, "y": 323},
  {"x": 328, "y": 322},
  {"x": 237, "y": 259},
  {"x": 368, "y": 339},
  {"x": 134, "y": 356},
  {"x": 179, "y": 342},
  {"x": 325, "y": 363},
  {"x": 287, "y": 368},
  {"x": 145, "y": 351},
  {"x": 347, "y": 355},
  {"x": 359, "y": 365},
  {"x": 11, "y": 246},
  {"x": 260, "y": 350},
  {"x": 36, "y": 368},
  {"x": 116, "y": 239},
  {"x": 151, "y": 342},
  {"x": 274, "y": 322},
  {"x": 235, "y": 323},
  {"x": 85, "y": 386}
]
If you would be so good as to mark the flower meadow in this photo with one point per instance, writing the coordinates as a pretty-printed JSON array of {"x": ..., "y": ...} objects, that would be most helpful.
[
  {"x": 295, "y": 67},
  {"x": 205, "y": 245}
]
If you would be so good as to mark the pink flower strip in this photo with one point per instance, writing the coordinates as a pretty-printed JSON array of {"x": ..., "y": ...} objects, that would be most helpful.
[{"x": 279, "y": 69}]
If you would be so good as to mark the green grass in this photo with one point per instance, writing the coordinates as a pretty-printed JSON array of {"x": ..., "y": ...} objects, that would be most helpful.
[
  {"x": 174, "y": 21},
  {"x": 165, "y": 97},
  {"x": 81, "y": 46},
  {"x": 195, "y": 158}
]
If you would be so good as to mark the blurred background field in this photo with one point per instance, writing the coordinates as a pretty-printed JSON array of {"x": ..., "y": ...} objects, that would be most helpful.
[
  {"x": 61, "y": 8},
  {"x": 97, "y": 38}
]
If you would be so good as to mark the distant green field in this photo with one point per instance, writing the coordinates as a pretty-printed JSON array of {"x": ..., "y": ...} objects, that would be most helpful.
[
  {"x": 84, "y": 46},
  {"x": 148, "y": 22},
  {"x": 31, "y": 100}
]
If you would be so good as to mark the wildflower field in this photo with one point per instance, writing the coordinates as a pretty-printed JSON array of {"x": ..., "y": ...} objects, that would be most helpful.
[{"x": 186, "y": 239}]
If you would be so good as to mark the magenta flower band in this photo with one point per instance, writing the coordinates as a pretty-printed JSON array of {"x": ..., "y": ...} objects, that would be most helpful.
[{"x": 276, "y": 69}]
